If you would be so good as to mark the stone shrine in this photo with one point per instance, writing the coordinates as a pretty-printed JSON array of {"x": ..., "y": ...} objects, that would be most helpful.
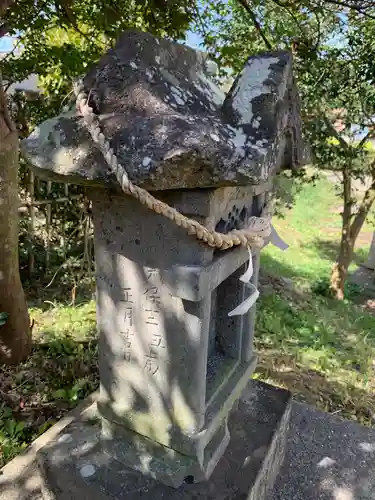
[{"x": 174, "y": 365}]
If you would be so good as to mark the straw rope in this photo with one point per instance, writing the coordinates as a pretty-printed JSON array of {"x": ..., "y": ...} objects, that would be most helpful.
[{"x": 259, "y": 227}]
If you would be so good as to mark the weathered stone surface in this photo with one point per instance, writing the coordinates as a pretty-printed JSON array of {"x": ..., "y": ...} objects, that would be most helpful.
[
  {"x": 327, "y": 458},
  {"x": 171, "y": 126},
  {"x": 75, "y": 464},
  {"x": 172, "y": 363}
]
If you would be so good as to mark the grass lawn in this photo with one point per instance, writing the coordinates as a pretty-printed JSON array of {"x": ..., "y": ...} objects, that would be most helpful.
[{"x": 321, "y": 349}]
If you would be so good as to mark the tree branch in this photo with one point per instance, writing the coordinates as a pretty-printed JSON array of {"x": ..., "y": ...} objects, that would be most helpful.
[
  {"x": 290, "y": 12},
  {"x": 364, "y": 139},
  {"x": 359, "y": 7},
  {"x": 335, "y": 134},
  {"x": 10, "y": 53},
  {"x": 257, "y": 26},
  {"x": 4, "y": 113},
  {"x": 71, "y": 18},
  {"x": 347, "y": 195}
]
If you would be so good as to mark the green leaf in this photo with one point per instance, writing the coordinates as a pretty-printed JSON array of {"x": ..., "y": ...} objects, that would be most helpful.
[
  {"x": 10, "y": 426},
  {"x": 60, "y": 394},
  {"x": 20, "y": 426}
]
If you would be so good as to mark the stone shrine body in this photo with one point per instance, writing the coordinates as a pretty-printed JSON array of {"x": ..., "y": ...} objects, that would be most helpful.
[{"x": 173, "y": 364}]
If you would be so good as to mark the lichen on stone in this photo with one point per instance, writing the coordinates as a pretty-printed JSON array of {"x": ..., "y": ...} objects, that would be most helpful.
[{"x": 153, "y": 96}]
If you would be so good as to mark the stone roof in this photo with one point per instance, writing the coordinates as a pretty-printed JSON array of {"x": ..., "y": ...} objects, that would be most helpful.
[{"x": 170, "y": 124}]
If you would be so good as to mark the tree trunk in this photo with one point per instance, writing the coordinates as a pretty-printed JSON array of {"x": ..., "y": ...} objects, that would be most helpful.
[
  {"x": 350, "y": 232},
  {"x": 341, "y": 266},
  {"x": 15, "y": 335}
]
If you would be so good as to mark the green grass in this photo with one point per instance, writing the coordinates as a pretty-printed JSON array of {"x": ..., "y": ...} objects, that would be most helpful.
[
  {"x": 312, "y": 229},
  {"x": 61, "y": 370},
  {"x": 57, "y": 321},
  {"x": 321, "y": 349}
]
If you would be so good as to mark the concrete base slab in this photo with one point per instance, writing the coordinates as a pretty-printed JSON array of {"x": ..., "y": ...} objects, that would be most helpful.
[
  {"x": 20, "y": 478},
  {"x": 77, "y": 466},
  {"x": 327, "y": 458},
  {"x": 365, "y": 278}
]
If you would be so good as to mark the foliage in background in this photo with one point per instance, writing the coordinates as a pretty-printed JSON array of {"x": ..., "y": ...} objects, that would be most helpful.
[
  {"x": 333, "y": 48},
  {"x": 331, "y": 40},
  {"x": 320, "y": 348},
  {"x": 59, "y": 40},
  {"x": 65, "y": 237}
]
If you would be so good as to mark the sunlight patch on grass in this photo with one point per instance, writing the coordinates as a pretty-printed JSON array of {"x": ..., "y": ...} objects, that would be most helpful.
[
  {"x": 61, "y": 370},
  {"x": 58, "y": 320},
  {"x": 312, "y": 230},
  {"x": 320, "y": 348}
]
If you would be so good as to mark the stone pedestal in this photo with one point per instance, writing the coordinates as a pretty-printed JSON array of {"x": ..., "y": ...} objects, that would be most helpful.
[
  {"x": 76, "y": 465},
  {"x": 172, "y": 363}
]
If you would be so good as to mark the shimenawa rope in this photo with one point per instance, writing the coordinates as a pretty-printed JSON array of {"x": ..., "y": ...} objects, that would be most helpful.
[{"x": 259, "y": 228}]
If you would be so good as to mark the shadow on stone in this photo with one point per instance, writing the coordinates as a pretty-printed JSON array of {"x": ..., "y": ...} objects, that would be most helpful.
[
  {"x": 174, "y": 355},
  {"x": 76, "y": 465}
]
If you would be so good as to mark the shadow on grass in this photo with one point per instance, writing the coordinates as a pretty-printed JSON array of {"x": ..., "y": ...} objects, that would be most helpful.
[
  {"x": 318, "y": 277},
  {"x": 276, "y": 268},
  {"x": 60, "y": 293},
  {"x": 34, "y": 395},
  {"x": 62, "y": 368},
  {"x": 314, "y": 388},
  {"x": 320, "y": 348},
  {"x": 328, "y": 249},
  {"x": 302, "y": 270}
]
